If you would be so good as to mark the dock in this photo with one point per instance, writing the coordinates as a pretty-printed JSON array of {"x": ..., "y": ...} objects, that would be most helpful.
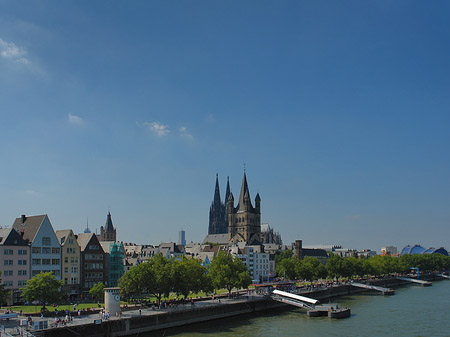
[
  {"x": 443, "y": 276},
  {"x": 314, "y": 310},
  {"x": 413, "y": 280},
  {"x": 384, "y": 291}
]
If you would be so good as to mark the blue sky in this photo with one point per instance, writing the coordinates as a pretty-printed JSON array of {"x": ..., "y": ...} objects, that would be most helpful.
[{"x": 340, "y": 111}]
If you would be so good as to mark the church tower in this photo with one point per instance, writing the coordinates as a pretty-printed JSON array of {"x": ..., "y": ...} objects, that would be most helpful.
[
  {"x": 244, "y": 221},
  {"x": 216, "y": 213},
  {"x": 108, "y": 233}
]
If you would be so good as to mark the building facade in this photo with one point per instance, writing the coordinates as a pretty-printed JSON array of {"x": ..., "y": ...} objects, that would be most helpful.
[
  {"x": 244, "y": 221},
  {"x": 14, "y": 262},
  {"x": 93, "y": 268},
  {"x": 45, "y": 247},
  {"x": 70, "y": 262},
  {"x": 114, "y": 260}
]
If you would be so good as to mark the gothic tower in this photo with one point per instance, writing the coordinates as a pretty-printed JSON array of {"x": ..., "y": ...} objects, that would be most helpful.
[
  {"x": 108, "y": 233},
  {"x": 244, "y": 221},
  {"x": 217, "y": 216}
]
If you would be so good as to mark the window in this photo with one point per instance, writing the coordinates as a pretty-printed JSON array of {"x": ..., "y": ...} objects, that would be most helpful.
[
  {"x": 46, "y": 250},
  {"x": 8, "y": 252},
  {"x": 94, "y": 247},
  {"x": 56, "y": 262},
  {"x": 36, "y": 250},
  {"x": 71, "y": 241},
  {"x": 8, "y": 262},
  {"x": 55, "y": 250},
  {"x": 46, "y": 241},
  {"x": 22, "y": 252},
  {"x": 22, "y": 272},
  {"x": 36, "y": 262},
  {"x": 65, "y": 280},
  {"x": 62, "y": 240},
  {"x": 57, "y": 273},
  {"x": 70, "y": 250},
  {"x": 74, "y": 280},
  {"x": 45, "y": 261},
  {"x": 22, "y": 283},
  {"x": 35, "y": 272},
  {"x": 8, "y": 273},
  {"x": 22, "y": 262},
  {"x": 74, "y": 270},
  {"x": 66, "y": 270},
  {"x": 66, "y": 260},
  {"x": 8, "y": 283}
]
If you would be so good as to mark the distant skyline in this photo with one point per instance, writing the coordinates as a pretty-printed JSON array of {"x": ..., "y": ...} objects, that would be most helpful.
[{"x": 340, "y": 111}]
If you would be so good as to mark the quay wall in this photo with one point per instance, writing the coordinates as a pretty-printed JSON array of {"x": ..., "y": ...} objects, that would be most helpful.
[{"x": 162, "y": 320}]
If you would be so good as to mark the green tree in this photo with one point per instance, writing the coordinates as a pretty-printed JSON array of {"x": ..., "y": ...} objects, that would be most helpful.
[
  {"x": 155, "y": 277},
  {"x": 43, "y": 287},
  {"x": 4, "y": 293},
  {"x": 334, "y": 265},
  {"x": 190, "y": 277},
  {"x": 98, "y": 291},
  {"x": 288, "y": 268},
  {"x": 226, "y": 271},
  {"x": 285, "y": 254}
]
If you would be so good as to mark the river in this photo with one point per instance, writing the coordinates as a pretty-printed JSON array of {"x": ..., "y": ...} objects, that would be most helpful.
[{"x": 412, "y": 311}]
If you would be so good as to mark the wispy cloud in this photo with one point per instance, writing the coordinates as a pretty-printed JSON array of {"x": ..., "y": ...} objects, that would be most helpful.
[
  {"x": 32, "y": 193},
  {"x": 76, "y": 120},
  {"x": 10, "y": 51},
  {"x": 184, "y": 133},
  {"x": 157, "y": 128}
]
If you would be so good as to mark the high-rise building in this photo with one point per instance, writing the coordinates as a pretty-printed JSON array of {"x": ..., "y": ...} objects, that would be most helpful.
[{"x": 182, "y": 238}]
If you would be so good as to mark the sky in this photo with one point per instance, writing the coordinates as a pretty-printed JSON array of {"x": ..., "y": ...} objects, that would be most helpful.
[{"x": 340, "y": 112}]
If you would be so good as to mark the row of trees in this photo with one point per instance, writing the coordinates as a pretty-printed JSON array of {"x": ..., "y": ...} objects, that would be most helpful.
[
  {"x": 160, "y": 276},
  {"x": 310, "y": 268}
]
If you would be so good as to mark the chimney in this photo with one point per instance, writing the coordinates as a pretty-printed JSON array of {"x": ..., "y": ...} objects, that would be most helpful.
[{"x": 24, "y": 218}]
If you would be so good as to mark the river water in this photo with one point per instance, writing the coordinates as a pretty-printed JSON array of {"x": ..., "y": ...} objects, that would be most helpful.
[{"x": 412, "y": 311}]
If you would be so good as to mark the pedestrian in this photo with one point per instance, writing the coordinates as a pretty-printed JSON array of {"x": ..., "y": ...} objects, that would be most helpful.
[
  {"x": 79, "y": 313},
  {"x": 140, "y": 312}
]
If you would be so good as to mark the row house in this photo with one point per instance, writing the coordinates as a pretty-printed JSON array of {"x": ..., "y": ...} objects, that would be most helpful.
[
  {"x": 45, "y": 247},
  {"x": 93, "y": 262},
  {"x": 14, "y": 262},
  {"x": 70, "y": 262}
]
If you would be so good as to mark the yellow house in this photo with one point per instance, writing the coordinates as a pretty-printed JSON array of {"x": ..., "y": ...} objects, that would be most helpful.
[{"x": 71, "y": 260}]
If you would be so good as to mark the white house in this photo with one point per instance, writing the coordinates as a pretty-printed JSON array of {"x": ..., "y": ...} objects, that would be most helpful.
[{"x": 45, "y": 247}]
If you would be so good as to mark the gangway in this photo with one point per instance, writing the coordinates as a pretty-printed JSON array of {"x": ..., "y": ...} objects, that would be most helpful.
[
  {"x": 421, "y": 282},
  {"x": 384, "y": 291},
  {"x": 293, "y": 299},
  {"x": 444, "y": 276}
]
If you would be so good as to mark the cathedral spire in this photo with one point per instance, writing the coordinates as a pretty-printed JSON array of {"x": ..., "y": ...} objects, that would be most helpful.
[
  {"x": 217, "y": 191},
  {"x": 227, "y": 192}
]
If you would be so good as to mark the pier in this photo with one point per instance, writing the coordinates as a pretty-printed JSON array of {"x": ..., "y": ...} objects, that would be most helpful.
[
  {"x": 384, "y": 291},
  {"x": 314, "y": 310},
  {"x": 443, "y": 276},
  {"x": 413, "y": 280}
]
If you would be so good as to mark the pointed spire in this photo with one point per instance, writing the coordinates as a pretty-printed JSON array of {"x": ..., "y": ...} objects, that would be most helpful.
[
  {"x": 245, "y": 193},
  {"x": 217, "y": 191},
  {"x": 257, "y": 198},
  {"x": 227, "y": 192},
  {"x": 87, "y": 230},
  {"x": 109, "y": 225}
]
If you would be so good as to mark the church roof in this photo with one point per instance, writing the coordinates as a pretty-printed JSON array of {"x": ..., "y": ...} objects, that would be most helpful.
[
  {"x": 221, "y": 239},
  {"x": 245, "y": 194},
  {"x": 109, "y": 225}
]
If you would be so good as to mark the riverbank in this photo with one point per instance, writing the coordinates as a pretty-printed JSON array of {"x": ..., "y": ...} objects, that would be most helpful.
[{"x": 135, "y": 321}]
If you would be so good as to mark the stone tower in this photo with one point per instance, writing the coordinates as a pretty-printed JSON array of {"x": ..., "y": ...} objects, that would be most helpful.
[
  {"x": 108, "y": 233},
  {"x": 244, "y": 221}
]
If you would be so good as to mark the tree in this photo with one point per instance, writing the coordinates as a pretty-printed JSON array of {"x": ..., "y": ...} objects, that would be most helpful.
[
  {"x": 285, "y": 254},
  {"x": 155, "y": 276},
  {"x": 4, "y": 293},
  {"x": 190, "y": 276},
  {"x": 288, "y": 267},
  {"x": 44, "y": 287},
  {"x": 98, "y": 291},
  {"x": 228, "y": 272}
]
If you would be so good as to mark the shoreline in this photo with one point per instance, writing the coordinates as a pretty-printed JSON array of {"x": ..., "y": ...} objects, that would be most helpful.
[{"x": 132, "y": 323}]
